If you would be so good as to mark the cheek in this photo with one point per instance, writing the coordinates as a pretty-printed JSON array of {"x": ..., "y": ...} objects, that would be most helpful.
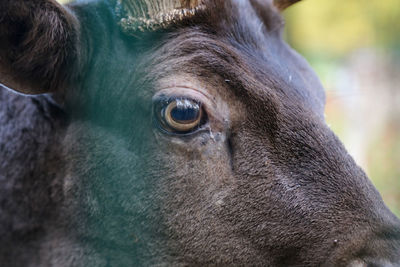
[
  {"x": 203, "y": 160},
  {"x": 197, "y": 177}
]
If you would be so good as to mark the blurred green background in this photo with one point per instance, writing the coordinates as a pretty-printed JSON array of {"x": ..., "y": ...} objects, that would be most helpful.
[{"x": 354, "y": 46}]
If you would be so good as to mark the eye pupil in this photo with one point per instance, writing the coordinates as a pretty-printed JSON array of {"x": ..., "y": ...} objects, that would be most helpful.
[
  {"x": 180, "y": 115},
  {"x": 185, "y": 113}
]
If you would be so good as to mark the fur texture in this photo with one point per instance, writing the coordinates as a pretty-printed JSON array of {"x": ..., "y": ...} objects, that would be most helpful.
[
  {"x": 37, "y": 45},
  {"x": 87, "y": 179}
]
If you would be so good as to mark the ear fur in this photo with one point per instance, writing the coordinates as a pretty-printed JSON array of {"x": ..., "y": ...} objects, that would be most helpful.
[
  {"x": 283, "y": 4},
  {"x": 38, "y": 44}
]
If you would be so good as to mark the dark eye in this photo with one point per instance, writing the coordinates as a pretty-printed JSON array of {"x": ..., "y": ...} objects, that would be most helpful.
[{"x": 179, "y": 115}]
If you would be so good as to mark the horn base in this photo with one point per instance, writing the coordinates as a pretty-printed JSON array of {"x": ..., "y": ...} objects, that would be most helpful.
[{"x": 131, "y": 22}]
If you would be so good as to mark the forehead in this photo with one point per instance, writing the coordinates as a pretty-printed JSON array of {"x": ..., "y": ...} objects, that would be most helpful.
[{"x": 240, "y": 41}]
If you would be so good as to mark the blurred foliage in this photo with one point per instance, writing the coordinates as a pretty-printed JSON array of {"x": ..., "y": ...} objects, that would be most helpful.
[
  {"x": 336, "y": 28},
  {"x": 362, "y": 87}
]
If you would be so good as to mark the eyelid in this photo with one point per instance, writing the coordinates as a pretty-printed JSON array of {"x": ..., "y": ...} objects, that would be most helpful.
[{"x": 208, "y": 104}]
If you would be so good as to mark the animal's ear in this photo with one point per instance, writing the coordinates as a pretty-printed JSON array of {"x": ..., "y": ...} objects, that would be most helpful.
[
  {"x": 38, "y": 44},
  {"x": 283, "y": 4}
]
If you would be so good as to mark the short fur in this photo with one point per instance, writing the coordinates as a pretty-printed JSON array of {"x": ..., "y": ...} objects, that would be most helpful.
[
  {"x": 37, "y": 45},
  {"x": 87, "y": 179}
]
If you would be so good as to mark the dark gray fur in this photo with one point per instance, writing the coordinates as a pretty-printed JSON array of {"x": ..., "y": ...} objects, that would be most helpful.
[{"x": 87, "y": 180}]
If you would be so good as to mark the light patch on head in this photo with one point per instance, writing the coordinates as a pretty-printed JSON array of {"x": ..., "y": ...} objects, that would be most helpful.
[
  {"x": 152, "y": 15},
  {"x": 357, "y": 263}
]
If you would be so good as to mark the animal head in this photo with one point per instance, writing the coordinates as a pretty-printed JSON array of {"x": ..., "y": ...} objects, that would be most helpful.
[{"x": 193, "y": 135}]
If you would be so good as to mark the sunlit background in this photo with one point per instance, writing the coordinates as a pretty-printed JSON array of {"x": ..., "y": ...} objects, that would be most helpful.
[{"x": 354, "y": 46}]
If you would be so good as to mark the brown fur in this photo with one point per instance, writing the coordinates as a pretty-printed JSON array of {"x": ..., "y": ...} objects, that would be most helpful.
[
  {"x": 38, "y": 44},
  {"x": 264, "y": 183}
]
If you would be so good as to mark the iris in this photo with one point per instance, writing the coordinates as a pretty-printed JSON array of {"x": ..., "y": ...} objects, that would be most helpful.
[
  {"x": 179, "y": 115},
  {"x": 185, "y": 111}
]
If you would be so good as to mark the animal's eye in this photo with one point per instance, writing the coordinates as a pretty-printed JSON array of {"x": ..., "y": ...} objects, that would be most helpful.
[{"x": 179, "y": 115}]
